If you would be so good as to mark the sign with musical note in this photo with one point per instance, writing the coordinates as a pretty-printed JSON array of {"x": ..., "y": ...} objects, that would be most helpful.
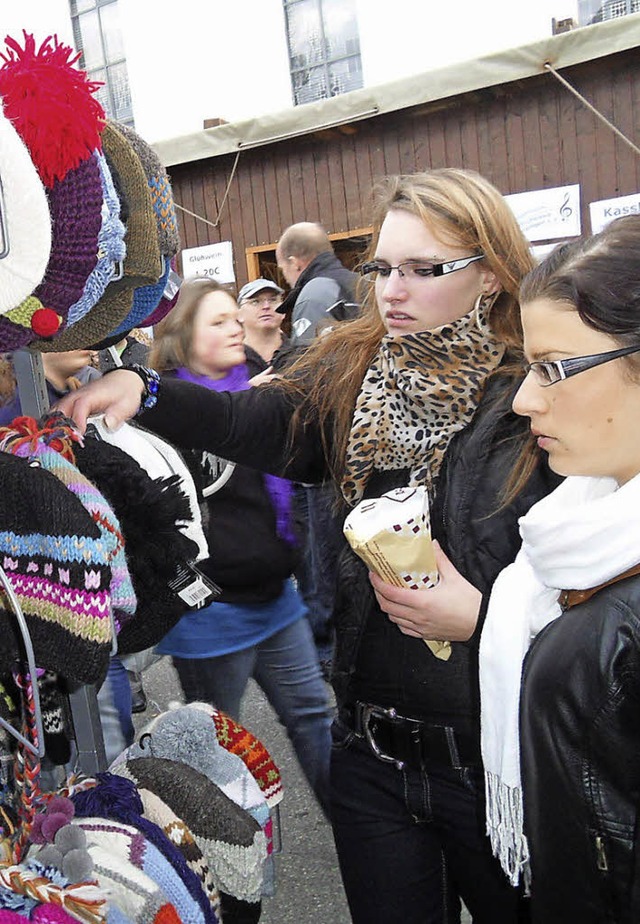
[
  {"x": 605, "y": 210},
  {"x": 547, "y": 214}
]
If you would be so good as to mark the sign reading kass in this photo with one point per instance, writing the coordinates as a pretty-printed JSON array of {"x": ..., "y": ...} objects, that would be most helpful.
[{"x": 213, "y": 260}]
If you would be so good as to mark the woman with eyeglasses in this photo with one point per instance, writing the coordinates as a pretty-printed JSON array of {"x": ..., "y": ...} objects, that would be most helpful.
[
  {"x": 569, "y": 606},
  {"x": 417, "y": 391}
]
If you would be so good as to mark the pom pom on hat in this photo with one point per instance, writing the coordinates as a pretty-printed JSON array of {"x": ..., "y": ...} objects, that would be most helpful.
[{"x": 51, "y": 103}]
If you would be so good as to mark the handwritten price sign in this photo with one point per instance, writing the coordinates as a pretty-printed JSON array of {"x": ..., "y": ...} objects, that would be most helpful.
[{"x": 213, "y": 260}]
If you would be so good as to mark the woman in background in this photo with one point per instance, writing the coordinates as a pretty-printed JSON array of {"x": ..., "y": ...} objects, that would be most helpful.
[{"x": 257, "y": 626}]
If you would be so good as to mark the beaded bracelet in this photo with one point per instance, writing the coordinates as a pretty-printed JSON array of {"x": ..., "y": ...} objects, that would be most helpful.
[{"x": 151, "y": 382}]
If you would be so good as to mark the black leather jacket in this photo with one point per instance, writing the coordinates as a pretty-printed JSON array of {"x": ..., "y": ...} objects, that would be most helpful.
[
  {"x": 580, "y": 754},
  {"x": 373, "y": 660}
]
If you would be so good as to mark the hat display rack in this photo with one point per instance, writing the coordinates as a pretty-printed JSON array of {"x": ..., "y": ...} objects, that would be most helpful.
[{"x": 88, "y": 240}]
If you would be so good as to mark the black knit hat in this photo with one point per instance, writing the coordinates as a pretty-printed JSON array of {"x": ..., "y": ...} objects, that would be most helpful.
[
  {"x": 149, "y": 511},
  {"x": 54, "y": 558}
]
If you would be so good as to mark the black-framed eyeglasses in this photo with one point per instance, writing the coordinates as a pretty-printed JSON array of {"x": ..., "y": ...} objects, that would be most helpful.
[
  {"x": 552, "y": 371},
  {"x": 417, "y": 269}
]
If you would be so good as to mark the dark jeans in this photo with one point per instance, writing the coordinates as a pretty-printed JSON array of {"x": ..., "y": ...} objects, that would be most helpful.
[
  {"x": 411, "y": 842},
  {"x": 316, "y": 573}
]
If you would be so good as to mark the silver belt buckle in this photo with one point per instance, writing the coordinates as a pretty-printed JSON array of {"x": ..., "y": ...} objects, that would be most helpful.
[{"x": 369, "y": 712}]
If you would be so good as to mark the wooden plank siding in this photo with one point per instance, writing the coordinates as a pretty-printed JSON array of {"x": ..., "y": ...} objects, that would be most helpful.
[{"x": 522, "y": 136}]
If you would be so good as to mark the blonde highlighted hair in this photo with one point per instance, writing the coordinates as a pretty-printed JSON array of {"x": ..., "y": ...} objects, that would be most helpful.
[{"x": 461, "y": 208}]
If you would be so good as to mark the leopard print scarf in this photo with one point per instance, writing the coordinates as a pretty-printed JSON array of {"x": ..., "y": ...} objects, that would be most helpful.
[{"x": 418, "y": 392}]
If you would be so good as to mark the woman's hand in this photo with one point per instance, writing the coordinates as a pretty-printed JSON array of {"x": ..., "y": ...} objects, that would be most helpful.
[
  {"x": 116, "y": 395},
  {"x": 261, "y": 378},
  {"x": 446, "y": 612}
]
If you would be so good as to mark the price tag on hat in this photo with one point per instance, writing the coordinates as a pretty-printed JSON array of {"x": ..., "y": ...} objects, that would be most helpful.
[{"x": 193, "y": 587}]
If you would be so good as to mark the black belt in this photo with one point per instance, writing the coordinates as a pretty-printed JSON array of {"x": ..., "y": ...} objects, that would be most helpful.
[{"x": 408, "y": 742}]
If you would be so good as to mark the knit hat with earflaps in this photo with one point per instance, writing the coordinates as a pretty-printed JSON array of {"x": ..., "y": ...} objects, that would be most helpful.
[
  {"x": 118, "y": 799},
  {"x": 26, "y": 222},
  {"x": 239, "y": 740},
  {"x": 56, "y": 562},
  {"x": 232, "y": 843}
]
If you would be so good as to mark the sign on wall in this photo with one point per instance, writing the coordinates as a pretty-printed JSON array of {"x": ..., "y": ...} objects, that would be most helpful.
[
  {"x": 213, "y": 260},
  {"x": 544, "y": 214},
  {"x": 605, "y": 210}
]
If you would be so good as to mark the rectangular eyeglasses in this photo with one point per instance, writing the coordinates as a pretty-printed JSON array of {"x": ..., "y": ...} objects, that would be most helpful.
[
  {"x": 552, "y": 371},
  {"x": 417, "y": 269}
]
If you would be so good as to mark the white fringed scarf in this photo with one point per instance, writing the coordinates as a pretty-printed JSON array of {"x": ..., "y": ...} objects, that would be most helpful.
[{"x": 583, "y": 534}]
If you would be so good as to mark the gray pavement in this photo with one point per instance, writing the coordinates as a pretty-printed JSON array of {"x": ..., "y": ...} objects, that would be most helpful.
[{"x": 308, "y": 886}]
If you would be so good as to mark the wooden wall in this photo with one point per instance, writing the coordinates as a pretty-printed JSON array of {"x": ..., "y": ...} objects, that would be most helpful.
[{"x": 523, "y": 136}]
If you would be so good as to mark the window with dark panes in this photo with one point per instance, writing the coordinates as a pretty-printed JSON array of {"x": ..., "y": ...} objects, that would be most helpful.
[
  {"x": 98, "y": 37},
  {"x": 324, "y": 48}
]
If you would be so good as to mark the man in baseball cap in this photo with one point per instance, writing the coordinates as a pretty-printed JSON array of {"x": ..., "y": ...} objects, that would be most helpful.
[
  {"x": 258, "y": 302},
  {"x": 257, "y": 287}
]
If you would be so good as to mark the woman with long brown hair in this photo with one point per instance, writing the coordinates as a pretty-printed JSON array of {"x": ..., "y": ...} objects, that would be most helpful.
[{"x": 415, "y": 392}]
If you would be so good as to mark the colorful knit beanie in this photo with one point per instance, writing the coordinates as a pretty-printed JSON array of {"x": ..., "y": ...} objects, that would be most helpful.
[
  {"x": 118, "y": 799},
  {"x": 237, "y": 739},
  {"x": 150, "y": 513},
  {"x": 111, "y": 247},
  {"x": 232, "y": 843},
  {"x": 128, "y": 845},
  {"x": 56, "y": 561},
  {"x": 27, "y": 222},
  {"x": 142, "y": 263},
  {"x": 45, "y": 441},
  {"x": 168, "y": 300},
  {"x": 53, "y": 108}
]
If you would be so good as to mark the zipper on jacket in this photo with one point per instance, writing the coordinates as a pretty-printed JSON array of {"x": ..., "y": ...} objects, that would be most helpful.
[{"x": 601, "y": 855}]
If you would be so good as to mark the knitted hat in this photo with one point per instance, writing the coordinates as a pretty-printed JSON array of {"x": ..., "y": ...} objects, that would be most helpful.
[
  {"x": 147, "y": 298},
  {"x": 118, "y": 799},
  {"x": 150, "y": 513},
  {"x": 75, "y": 204},
  {"x": 188, "y": 735},
  {"x": 237, "y": 739},
  {"x": 27, "y": 223},
  {"x": 55, "y": 719},
  {"x": 111, "y": 247},
  {"x": 54, "y": 557},
  {"x": 232, "y": 843},
  {"x": 168, "y": 300},
  {"x": 142, "y": 263},
  {"x": 159, "y": 459},
  {"x": 128, "y": 845},
  {"x": 135, "y": 893},
  {"x": 51, "y": 103},
  {"x": 39, "y": 440},
  {"x": 161, "y": 195}
]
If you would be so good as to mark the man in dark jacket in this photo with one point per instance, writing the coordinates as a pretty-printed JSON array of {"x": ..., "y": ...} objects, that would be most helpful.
[{"x": 322, "y": 289}]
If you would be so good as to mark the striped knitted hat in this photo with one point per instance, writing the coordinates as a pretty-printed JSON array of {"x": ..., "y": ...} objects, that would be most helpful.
[
  {"x": 232, "y": 843},
  {"x": 118, "y": 799},
  {"x": 237, "y": 739},
  {"x": 40, "y": 440},
  {"x": 142, "y": 263},
  {"x": 128, "y": 845},
  {"x": 55, "y": 559},
  {"x": 111, "y": 247}
]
